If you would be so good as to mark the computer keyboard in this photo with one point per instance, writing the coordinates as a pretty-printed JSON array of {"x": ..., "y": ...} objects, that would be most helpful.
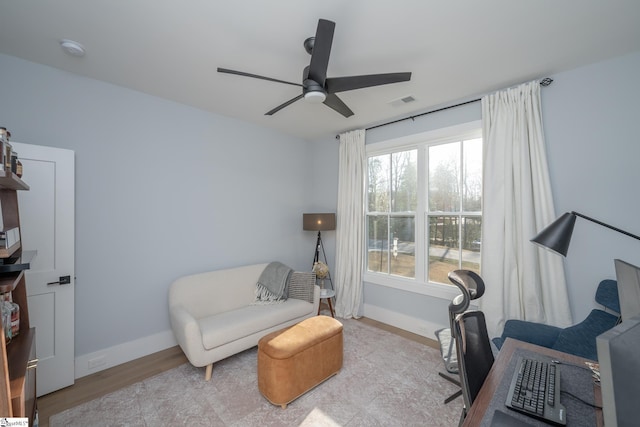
[{"x": 535, "y": 391}]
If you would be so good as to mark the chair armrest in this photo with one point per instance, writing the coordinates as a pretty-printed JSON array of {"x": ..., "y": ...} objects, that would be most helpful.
[
  {"x": 448, "y": 350},
  {"x": 534, "y": 333}
]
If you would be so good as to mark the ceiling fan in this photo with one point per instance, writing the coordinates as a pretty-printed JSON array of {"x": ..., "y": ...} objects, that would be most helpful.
[{"x": 316, "y": 86}]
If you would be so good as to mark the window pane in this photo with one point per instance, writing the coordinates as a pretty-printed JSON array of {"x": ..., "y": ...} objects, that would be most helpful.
[
  {"x": 377, "y": 246},
  {"x": 444, "y": 242},
  {"x": 403, "y": 260},
  {"x": 378, "y": 191},
  {"x": 471, "y": 243},
  {"x": 404, "y": 181},
  {"x": 444, "y": 178},
  {"x": 472, "y": 158}
]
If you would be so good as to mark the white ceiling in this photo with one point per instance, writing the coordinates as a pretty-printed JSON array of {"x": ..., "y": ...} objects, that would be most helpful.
[{"x": 456, "y": 50}]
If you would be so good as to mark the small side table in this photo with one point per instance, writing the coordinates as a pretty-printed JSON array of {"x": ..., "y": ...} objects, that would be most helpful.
[{"x": 327, "y": 294}]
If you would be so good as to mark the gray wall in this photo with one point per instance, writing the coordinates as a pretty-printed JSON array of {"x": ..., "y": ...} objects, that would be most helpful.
[
  {"x": 590, "y": 116},
  {"x": 591, "y": 119},
  {"x": 162, "y": 190}
]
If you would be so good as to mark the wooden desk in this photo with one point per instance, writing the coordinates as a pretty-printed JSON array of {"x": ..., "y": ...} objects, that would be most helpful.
[{"x": 497, "y": 372}]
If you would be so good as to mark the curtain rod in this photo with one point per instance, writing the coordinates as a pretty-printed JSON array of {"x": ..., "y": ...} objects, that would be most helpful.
[{"x": 544, "y": 82}]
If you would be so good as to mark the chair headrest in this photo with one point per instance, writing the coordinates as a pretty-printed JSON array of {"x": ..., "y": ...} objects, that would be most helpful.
[
  {"x": 470, "y": 284},
  {"x": 469, "y": 280}
]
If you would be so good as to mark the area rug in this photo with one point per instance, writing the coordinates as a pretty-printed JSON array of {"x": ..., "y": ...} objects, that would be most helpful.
[{"x": 386, "y": 380}]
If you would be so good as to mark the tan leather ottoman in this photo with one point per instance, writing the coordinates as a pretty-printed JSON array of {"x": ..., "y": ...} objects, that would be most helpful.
[{"x": 294, "y": 360}]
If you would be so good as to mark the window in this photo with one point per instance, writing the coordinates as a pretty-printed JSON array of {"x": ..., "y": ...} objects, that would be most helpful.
[
  {"x": 391, "y": 218},
  {"x": 454, "y": 191},
  {"x": 424, "y": 207}
]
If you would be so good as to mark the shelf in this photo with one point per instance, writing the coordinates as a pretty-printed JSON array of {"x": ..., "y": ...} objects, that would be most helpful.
[
  {"x": 11, "y": 181},
  {"x": 21, "y": 364},
  {"x": 17, "y": 357},
  {"x": 8, "y": 252},
  {"x": 22, "y": 261},
  {"x": 18, "y": 350},
  {"x": 9, "y": 281}
]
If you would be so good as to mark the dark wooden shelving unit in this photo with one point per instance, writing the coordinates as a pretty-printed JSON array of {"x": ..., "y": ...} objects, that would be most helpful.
[{"x": 17, "y": 357}]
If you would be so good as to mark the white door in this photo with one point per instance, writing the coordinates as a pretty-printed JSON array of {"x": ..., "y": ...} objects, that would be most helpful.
[{"x": 47, "y": 226}]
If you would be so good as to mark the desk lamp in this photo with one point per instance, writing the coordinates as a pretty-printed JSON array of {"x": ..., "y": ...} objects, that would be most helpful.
[{"x": 557, "y": 235}]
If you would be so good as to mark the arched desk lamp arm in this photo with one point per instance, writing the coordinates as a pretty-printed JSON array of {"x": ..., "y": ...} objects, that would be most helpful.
[
  {"x": 557, "y": 235},
  {"x": 605, "y": 225}
]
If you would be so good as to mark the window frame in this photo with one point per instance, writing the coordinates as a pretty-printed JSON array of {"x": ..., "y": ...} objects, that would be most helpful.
[{"x": 420, "y": 141}]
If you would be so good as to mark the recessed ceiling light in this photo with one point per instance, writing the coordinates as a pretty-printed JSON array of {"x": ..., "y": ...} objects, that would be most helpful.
[{"x": 72, "y": 47}]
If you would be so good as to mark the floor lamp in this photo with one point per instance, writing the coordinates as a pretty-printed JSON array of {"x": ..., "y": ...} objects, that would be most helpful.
[
  {"x": 557, "y": 235},
  {"x": 321, "y": 222}
]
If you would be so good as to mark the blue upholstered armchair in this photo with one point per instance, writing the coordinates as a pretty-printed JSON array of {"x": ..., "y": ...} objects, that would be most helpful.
[{"x": 579, "y": 339}]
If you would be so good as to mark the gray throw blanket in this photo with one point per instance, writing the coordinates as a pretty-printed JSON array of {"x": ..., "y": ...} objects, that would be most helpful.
[{"x": 272, "y": 284}]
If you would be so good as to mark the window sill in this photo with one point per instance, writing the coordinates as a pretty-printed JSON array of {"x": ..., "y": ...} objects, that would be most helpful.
[{"x": 436, "y": 290}]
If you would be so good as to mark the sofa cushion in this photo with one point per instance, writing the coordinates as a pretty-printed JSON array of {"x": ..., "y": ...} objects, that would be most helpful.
[{"x": 232, "y": 325}]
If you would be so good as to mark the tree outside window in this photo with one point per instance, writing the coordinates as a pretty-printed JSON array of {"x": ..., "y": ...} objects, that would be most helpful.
[
  {"x": 392, "y": 200},
  {"x": 454, "y": 210},
  {"x": 452, "y": 206}
]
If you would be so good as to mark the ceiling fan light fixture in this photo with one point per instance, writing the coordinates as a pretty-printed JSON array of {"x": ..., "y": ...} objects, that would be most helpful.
[{"x": 315, "y": 97}]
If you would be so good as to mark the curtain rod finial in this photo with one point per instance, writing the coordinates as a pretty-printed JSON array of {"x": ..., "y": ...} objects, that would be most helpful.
[{"x": 546, "y": 81}]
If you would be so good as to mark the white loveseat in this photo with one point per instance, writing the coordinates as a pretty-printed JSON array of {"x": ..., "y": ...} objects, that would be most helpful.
[{"x": 213, "y": 315}]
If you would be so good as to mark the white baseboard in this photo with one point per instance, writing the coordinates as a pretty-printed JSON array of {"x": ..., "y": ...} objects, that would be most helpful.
[
  {"x": 402, "y": 321},
  {"x": 97, "y": 361},
  {"x": 91, "y": 363}
]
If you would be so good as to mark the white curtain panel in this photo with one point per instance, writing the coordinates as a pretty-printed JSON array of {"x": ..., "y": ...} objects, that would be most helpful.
[
  {"x": 350, "y": 225},
  {"x": 523, "y": 281}
]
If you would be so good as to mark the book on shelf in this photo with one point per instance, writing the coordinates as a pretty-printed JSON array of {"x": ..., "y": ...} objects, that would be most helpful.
[{"x": 9, "y": 237}]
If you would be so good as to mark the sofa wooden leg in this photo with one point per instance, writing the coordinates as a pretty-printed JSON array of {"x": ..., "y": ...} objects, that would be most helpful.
[{"x": 208, "y": 371}]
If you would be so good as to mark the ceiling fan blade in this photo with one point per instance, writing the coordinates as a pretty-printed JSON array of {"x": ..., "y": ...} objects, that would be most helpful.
[
  {"x": 281, "y": 106},
  {"x": 321, "y": 51},
  {"x": 255, "y": 76},
  {"x": 342, "y": 84},
  {"x": 336, "y": 103}
]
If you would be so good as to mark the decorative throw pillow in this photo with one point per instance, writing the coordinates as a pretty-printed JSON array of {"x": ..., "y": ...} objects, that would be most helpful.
[{"x": 301, "y": 285}]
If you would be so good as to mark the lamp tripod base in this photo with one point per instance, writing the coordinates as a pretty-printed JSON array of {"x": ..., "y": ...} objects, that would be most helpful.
[{"x": 325, "y": 293}]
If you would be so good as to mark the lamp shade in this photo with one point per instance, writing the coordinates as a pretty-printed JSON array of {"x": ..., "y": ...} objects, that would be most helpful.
[
  {"x": 319, "y": 221},
  {"x": 557, "y": 235}
]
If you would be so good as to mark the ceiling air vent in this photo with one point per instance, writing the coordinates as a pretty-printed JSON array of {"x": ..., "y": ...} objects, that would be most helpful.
[{"x": 401, "y": 101}]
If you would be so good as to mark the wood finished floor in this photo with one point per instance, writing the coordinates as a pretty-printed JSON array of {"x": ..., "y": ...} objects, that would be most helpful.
[{"x": 104, "y": 382}]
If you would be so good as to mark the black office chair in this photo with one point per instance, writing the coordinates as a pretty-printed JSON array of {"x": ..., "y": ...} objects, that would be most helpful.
[
  {"x": 473, "y": 347},
  {"x": 471, "y": 287}
]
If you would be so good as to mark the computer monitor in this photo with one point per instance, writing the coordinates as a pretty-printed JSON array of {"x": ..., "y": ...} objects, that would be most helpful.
[
  {"x": 619, "y": 359},
  {"x": 628, "y": 277}
]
